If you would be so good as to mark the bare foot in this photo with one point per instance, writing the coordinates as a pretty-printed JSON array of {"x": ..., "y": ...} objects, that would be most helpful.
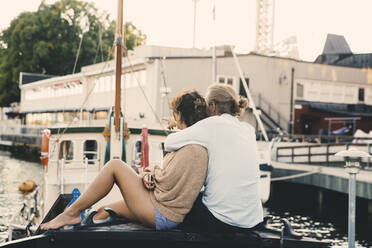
[{"x": 63, "y": 219}]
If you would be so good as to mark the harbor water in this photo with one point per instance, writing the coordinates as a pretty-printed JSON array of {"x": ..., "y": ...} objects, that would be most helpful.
[{"x": 326, "y": 223}]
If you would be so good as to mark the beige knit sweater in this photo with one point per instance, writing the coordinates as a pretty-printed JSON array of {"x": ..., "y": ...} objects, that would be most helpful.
[{"x": 179, "y": 182}]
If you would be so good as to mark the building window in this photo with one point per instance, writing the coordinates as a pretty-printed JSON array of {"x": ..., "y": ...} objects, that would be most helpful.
[
  {"x": 300, "y": 90},
  {"x": 221, "y": 80},
  {"x": 241, "y": 87},
  {"x": 361, "y": 95},
  {"x": 90, "y": 150},
  {"x": 100, "y": 115},
  {"x": 230, "y": 81},
  {"x": 66, "y": 150}
]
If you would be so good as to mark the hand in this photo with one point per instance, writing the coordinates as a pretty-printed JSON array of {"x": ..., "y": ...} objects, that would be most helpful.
[
  {"x": 148, "y": 181},
  {"x": 171, "y": 122}
]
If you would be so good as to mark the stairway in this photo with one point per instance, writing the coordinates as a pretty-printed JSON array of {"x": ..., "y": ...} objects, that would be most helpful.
[{"x": 270, "y": 116}]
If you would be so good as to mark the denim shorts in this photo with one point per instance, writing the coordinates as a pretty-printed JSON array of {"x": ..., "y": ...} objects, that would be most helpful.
[{"x": 162, "y": 223}]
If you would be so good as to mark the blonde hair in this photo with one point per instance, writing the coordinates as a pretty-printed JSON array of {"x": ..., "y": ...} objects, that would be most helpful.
[{"x": 226, "y": 99}]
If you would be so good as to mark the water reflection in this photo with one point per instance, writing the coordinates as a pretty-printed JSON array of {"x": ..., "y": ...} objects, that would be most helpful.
[
  {"x": 298, "y": 203},
  {"x": 14, "y": 171}
]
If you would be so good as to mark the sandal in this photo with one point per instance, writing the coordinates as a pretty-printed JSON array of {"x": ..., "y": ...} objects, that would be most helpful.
[{"x": 112, "y": 219}]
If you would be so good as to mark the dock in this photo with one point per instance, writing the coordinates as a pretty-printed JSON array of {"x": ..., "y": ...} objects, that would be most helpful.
[
  {"x": 21, "y": 139},
  {"x": 331, "y": 178}
]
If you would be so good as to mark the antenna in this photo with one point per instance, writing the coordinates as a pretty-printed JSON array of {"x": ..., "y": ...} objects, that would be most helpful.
[
  {"x": 194, "y": 30},
  {"x": 265, "y": 26},
  {"x": 214, "y": 61}
]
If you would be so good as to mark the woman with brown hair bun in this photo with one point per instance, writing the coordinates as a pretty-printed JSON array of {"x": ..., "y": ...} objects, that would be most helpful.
[
  {"x": 160, "y": 197},
  {"x": 231, "y": 197}
]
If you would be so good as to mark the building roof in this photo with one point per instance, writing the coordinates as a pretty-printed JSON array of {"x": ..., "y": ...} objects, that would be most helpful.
[
  {"x": 336, "y": 51},
  {"x": 336, "y": 44},
  {"x": 26, "y": 78}
]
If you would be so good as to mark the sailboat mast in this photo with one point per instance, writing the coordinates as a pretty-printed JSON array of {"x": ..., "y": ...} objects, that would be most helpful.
[
  {"x": 214, "y": 60},
  {"x": 118, "y": 59}
]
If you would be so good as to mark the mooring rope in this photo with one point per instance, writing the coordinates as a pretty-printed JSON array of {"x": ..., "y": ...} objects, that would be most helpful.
[{"x": 296, "y": 176}]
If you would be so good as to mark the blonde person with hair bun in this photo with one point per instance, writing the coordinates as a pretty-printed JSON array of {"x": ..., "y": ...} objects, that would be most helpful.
[{"x": 230, "y": 199}]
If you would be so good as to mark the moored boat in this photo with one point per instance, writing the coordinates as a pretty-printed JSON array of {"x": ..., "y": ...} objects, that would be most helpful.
[{"x": 136, "y": 235}]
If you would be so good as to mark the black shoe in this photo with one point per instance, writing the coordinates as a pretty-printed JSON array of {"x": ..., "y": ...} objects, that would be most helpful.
[{"x": 112, "y": 219}]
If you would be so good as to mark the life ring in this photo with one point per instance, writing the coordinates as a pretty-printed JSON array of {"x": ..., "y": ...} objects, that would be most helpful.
[{"x": 45, "y": 146}]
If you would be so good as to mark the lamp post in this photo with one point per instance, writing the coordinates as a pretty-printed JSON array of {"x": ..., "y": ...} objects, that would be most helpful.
[{"x": 352, "y": 159}]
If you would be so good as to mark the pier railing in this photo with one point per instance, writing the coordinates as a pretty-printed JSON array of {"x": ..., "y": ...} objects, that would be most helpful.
[
  {"x": 320, "y": 154},
  {"x": 324, "y": 139},
  {"x": 10, "y": 134}
]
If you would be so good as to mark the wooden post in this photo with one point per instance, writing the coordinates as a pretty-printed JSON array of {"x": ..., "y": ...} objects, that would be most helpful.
[
  {"x": 327, "y": 155},
  {"x": 369, "y": 152},
  {"x": 369, "y": 214},
  {"x": 119, "y": 56},
  {"x": 309, "y": 155},
  {"x": 292, "y": 149},
  {"x": 320, "y": 202}
]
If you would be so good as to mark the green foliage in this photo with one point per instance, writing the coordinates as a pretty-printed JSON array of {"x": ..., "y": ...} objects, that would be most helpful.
[{"x": 47, "y": 41}]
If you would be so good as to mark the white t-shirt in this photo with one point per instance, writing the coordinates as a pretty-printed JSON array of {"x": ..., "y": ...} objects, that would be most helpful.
[{"x": 231, "y": 188}]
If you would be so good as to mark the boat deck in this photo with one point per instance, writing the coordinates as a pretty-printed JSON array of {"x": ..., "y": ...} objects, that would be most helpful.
[{"x": 135, "y": 235}]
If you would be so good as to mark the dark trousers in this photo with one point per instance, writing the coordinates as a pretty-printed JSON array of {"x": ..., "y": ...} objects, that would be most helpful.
[{"x": 200, "y": 219}]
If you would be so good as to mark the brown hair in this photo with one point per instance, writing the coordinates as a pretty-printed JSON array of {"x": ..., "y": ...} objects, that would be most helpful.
[
  {"x": 226, "y": 99},
  {"x": 191, "y": 105}
]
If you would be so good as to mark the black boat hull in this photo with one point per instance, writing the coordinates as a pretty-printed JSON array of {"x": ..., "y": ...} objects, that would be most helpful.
[{"x": 130, "y": 235}]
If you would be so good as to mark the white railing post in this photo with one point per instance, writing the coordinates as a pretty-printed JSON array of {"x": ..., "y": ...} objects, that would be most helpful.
[
  {"x": 61, "y": 175},
  {"x": 352, "y": 159},
  {"x": 86, "y": 173}
]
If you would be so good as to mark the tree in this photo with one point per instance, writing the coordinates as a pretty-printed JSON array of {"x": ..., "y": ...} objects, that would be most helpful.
[{"x": 47, "y": 41}]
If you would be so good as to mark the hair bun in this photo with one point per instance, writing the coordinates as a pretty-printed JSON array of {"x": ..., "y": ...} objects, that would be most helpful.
[
  {"x": 243, "y": 103},
  {"x": 198, "y": 103}
]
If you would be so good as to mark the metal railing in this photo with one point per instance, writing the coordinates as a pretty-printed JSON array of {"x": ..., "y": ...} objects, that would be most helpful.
[
  {"x": 320, "y": 154},
  {"x": 20, "y": 135},
  {"x": 323, "y": 139},
  {"x": 64, "y": 164},
  {"x": 273, "y": 114}
]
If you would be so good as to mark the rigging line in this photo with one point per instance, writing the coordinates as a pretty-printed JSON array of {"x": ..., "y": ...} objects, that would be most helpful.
[
  {"x": 86, "y": 98},
  {"x": 78, "y": 52},
  {"x": 145, "y": 96},
  {"x": 162, "y": 71},
  {"x": 99, "y": 45},
  {"x": 296, "y": 176}
]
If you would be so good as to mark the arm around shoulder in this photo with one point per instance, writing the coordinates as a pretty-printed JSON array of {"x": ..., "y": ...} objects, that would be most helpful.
[{"x": 196, "y": 134}]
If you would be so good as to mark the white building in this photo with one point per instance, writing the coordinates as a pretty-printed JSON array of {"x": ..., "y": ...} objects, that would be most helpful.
[{"x": 288, "y": 91}]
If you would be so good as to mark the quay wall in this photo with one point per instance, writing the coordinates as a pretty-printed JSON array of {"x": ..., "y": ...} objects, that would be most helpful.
[
  {"x": 335, "y": 179},
  {"x": 20, "y": 139}
]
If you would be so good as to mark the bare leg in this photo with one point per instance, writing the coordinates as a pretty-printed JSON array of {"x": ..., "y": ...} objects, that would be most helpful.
[
  {"x": 119, "y": 207},
  {"x": 136, "y": 197}
]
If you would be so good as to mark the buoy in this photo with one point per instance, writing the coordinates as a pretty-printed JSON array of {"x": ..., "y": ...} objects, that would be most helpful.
[
  {"x": 45, "y": 146},
  {"x": 27, "y": 186}
]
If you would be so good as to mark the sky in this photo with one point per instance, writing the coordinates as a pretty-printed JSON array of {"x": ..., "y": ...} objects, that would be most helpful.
[{"x": 170, "y": 22}]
